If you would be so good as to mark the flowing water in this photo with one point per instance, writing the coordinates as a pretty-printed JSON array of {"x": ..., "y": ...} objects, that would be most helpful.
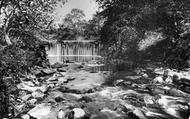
[{"x": 74, "y": 51}]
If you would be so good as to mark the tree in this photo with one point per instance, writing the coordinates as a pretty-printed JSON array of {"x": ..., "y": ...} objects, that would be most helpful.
[
  {"x": 169, "y": 18},
  {"x": 73, "y": 24},
  {"x": 93, "y": 27},
  {"x": 20, "y": 42},
  {"x": 24, "y": 15}
]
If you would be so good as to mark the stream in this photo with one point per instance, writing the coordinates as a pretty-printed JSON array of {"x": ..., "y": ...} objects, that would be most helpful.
[{"x": 76, "y": 87}]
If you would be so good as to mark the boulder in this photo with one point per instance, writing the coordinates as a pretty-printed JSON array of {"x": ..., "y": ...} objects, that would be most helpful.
[
  {"x": 32, "y": 102},
  {"x": 59, "y": 99},
  {"x": 38, "y": 95},
  {"x": 20, "y": 108},
  {"x": 69, "y": 114},
  {"x": 44, "y": 88},
  {"x": 169, "y": 80},
  {"x": 26, "y": 116},
  {"x": 78, "y": 113},
  {"x": 61, "y": 114},
  {"x": 139, "y": 114},
  {"x": 38, "y": 73},
  {"x": 61, "y": 69},
  {"x": 26, "y": 97},
  {"x": 144, "y": 75},
  {"x": 85, "y": 99},
  {"x": 62, "y": 80},
  {"x": 149, "y": 100},
  {"x": 158, "y": 79},
  {"x": 119, "y": 82},
  {"x": 40, "y": 111},
  {"x": 29, "y": 83},
  {"x": 48, "y": 71},
  {"x": 58, "y": 65}
]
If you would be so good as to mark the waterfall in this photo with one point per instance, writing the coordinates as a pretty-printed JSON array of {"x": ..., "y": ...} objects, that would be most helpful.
[{"x": 76, "y": 51}]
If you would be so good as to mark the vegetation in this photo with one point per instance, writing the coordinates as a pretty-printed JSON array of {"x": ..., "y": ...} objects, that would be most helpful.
[
  {"x": 153, "y": 29},
  {"x": 74, "y": 26},
  {"x": 21, "y": 42}
]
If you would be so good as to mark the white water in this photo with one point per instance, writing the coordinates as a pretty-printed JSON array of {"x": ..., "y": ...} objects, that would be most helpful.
[{"x": 76, "y": 51}]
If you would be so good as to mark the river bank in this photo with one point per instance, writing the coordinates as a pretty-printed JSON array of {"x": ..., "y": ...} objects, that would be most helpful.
[{"x": 72, "y": 91}]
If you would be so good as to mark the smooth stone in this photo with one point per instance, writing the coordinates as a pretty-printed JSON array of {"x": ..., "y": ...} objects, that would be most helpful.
[
  {"x": 78, "y": 113},
  {"x": 26, "y": 97},
  {"x": 26, "y": 116},
  {"x": 158, "y": 79},
  {"x": 40, "y": 111},
  {"x": 145, "y": 75}
]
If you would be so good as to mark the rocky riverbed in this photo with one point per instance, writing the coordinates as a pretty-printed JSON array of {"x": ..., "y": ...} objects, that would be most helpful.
[{"x": 72, "y": 91}]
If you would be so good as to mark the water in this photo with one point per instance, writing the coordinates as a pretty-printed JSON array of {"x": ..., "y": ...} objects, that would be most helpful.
[{"x": 74, "y": 51}]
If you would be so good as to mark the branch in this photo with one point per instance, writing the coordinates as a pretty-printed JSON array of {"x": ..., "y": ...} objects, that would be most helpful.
[{"x": 49, "y": 24}]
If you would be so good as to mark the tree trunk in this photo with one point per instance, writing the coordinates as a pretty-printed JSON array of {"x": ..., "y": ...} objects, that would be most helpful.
[
  {"x": 6, "y": 29},
  {"x": 7, "y": 39}
]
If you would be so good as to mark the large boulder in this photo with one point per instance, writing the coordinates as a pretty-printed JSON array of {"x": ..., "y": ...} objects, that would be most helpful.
[
  {"x": 48, "y": 71},
  {"x": 78, "y": 113},
  {"x": 40, "y": 111}
]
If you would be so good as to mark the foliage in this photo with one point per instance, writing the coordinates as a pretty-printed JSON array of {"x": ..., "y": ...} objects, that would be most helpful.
[
  {"x": 169, "y": 18},
  {"x": 21, "y": 40},
  {"x": 23, "y": 15},
  {"x": 73, "y": 25},
  {"x": 92, "y": 28}
]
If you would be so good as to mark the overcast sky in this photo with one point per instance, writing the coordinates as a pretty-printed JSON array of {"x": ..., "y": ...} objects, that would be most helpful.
[{"x": 88, "y": 6}]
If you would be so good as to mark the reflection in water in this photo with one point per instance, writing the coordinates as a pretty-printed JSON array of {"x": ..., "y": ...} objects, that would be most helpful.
[{"x": 76, "y": 51}]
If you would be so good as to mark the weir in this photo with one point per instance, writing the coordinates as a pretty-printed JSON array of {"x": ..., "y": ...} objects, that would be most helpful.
[{"x": 75, "y": 51}]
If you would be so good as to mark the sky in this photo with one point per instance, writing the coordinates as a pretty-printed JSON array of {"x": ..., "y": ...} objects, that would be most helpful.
[{"x": 88, "y": 6}]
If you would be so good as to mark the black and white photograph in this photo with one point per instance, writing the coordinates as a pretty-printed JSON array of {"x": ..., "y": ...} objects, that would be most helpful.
[{"x": 94, "y": 59}]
